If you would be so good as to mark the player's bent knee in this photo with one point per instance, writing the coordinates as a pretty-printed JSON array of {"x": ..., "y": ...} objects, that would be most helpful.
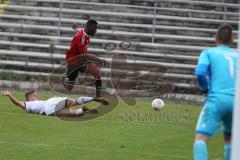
[
  {"x": 97, "y": 74},
  {"x": 98, "y": 77},
  {"x": 70, "y": 102},
  {"x": 95, "y": 71},
  {"x": 201, "y": 137}
]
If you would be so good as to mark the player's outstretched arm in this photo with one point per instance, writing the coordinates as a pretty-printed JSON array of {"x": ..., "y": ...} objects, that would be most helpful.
[
  {"x": 76, "y": 26},
  {"x": 13, "y": 99}
]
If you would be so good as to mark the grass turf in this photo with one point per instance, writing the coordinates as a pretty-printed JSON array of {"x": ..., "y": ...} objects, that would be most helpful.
[{"x": 136, "y": 133}]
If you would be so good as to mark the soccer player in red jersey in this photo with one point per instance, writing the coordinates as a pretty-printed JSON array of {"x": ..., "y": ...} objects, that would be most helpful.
[{"x": 78, "y": 59}]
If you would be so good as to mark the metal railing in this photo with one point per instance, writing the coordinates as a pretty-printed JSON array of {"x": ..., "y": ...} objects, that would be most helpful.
[
  {"x": 60, "y": 17},
  {"x": 225, "y": 12},
  {"x": 155, "y": 14},
  {"x": 154, "y": 21}
]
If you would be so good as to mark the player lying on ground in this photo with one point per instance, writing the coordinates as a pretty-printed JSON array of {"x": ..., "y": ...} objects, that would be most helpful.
[
  {"x": 59, "y": 106},
  {"x": 78, "y": 59},
  {"x": 216, "y": 73}
]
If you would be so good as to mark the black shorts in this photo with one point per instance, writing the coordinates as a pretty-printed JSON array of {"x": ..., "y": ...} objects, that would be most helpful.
[{"x": 73, "y": 70}]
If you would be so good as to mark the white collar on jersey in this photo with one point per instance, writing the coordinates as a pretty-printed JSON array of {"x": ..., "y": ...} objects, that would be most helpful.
[
  {"x": 79, "y": 29},
  {"x": 85, "y": 33}
]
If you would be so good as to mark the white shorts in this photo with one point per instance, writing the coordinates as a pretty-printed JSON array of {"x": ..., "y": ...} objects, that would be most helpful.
[{"x": 54, "y": 105}]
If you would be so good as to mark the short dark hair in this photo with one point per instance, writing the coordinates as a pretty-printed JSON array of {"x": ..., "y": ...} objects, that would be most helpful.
[
  {"x": 224, "y": 34},
  {"x": 91, "y": 22},
  {"x": 29, "y": 93}
]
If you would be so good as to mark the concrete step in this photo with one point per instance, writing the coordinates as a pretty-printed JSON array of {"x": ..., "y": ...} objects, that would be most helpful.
[
  {"x": 54, "y": 58},
  {"x": 28, "y": 64},
  {"x": 18, "y": 20},
  {"x": 42, "y": 77},
  {"x": 218, "y": 5},
  {"x": 50, "y": 68},
  {"x": 102, "y": 34},
  {"x": 87, "y": 6},
  {"x": 215, "y": 4},
  {"x": 114, "y": 26},
  {"x": 173, "y": 9},
  {"x": 114, "y": 16},
  {"x": 57, "y": 57},
  {"x": 97, "y": 43},
  {"x": 134, "y": 56}
]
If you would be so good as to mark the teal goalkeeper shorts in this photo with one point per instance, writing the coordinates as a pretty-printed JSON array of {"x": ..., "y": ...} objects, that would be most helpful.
[{"x": 217, "y": 112}]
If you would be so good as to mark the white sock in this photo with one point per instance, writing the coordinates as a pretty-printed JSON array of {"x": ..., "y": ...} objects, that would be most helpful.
[
  {"x": 78, "y": 111},
  {"x": 82, "y": 100}
]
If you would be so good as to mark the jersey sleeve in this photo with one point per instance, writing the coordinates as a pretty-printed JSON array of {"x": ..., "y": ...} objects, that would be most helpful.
[
  {"x": 202, "y": 71},
  {"x": 27, "y": 106},
  {"x": 204, "y": 58}
]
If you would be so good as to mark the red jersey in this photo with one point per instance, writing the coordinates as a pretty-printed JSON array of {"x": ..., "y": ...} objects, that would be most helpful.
[{"x": 79, "y": 44}]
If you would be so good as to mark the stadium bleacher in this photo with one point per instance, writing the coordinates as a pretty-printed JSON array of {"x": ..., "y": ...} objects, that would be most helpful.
[{"x": 30, "y": 44}]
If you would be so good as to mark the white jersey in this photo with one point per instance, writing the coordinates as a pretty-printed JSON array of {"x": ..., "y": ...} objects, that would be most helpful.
[
  {"x": 35, "y": 106},
  {"x": 47, "y": 107}
]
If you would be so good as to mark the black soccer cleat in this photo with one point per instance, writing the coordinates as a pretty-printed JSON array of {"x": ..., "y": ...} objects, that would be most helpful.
[
  {"x": 102, "y": 100},
  {"x": 68, "y": 85},
  {"x": 89, "y": 111}
]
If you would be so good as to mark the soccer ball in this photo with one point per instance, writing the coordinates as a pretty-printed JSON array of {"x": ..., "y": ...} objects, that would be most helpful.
[{"x": 157, "y": 104}]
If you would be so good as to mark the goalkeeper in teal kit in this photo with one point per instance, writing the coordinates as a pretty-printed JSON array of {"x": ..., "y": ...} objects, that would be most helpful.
[{"x": 216, "y": 72}]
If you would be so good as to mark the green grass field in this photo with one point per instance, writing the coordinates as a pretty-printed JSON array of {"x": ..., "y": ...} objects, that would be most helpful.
[{"x": 119, "y": 135}]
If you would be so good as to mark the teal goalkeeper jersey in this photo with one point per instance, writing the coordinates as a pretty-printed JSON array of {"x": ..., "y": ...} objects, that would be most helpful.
[{"x": 216, "y": 70}]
